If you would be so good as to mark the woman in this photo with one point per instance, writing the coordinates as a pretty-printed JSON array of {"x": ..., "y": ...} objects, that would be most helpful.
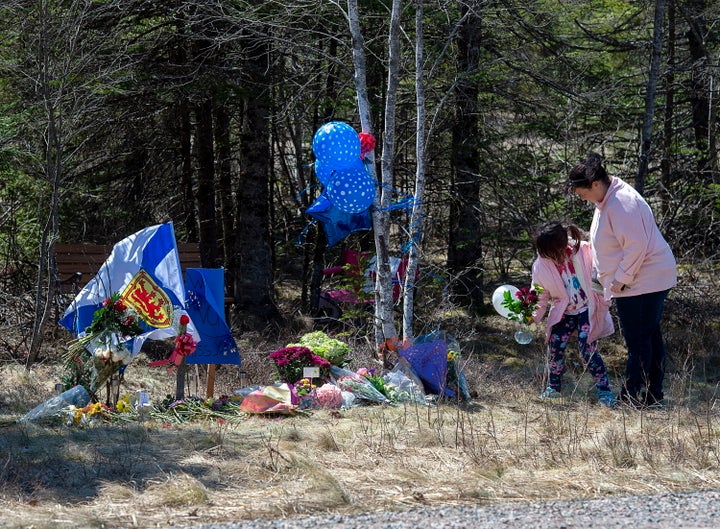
[{"x": 635, "y": 266}]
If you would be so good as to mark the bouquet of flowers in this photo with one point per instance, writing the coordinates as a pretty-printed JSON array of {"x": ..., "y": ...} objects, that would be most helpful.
[
  {"x": 86, "y": 415},
  {"x": 358, "y": 385},
  {"x": 329, "y": 396},
  {"x": 331, "y": 349},
  {"x": 377, "y": 381},
  {"x": 102, "y": 351},
  {"x": 290, "y": 362},
  {"x": 184, "y": 343},
  {"x": 304, "y": 386},
  {"x": 522, "y": 305},
  {"x": 402, "y": 385}
]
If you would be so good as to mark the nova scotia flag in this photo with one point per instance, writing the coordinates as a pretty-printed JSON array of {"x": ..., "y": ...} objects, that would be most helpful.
[{"x": 145, "y": 269}]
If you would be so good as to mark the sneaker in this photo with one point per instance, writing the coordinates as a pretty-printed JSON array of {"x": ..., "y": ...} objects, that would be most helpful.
[
  {"x": 550, "y": 393},
  {"x": 606, "y": 398}
]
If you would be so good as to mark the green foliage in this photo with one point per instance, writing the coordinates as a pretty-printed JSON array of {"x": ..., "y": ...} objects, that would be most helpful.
[
  {"x": 19, "y": 225},
  {"x": 331, "y": 349}
]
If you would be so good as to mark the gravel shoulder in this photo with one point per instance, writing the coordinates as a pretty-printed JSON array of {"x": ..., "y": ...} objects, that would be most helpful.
[{"x": 694, "y": 510}]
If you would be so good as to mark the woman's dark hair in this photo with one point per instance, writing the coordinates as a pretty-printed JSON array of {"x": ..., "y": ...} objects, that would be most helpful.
[
  {"x": 587, "y": 172},
  {"x": 552, "y": 239}
]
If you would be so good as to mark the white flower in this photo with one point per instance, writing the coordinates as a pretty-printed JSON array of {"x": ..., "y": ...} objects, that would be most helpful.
[
  {"x": 103, "y": 353},
  {"x": 121, "y": 354}
]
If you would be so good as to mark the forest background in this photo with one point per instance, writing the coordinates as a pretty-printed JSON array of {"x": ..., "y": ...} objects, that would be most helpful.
[
  {"x": 119, "y": 115},
  {"x": 116, "y": 115}
]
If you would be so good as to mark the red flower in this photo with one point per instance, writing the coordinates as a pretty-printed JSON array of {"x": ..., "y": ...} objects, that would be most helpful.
[
  {"x": 119, "y": 306},
  {"x": 184, "y": 319}
]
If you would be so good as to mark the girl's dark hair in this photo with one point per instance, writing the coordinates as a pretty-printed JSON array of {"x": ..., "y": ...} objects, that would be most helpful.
[
  {"x": 552, "y": 239},
  {"x": 587, "y": 172}
]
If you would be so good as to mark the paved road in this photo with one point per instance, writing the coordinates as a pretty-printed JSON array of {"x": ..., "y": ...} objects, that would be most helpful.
[{"x": 696, "y": 510}]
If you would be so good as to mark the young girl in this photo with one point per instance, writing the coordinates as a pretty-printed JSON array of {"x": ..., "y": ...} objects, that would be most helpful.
[{"x": 563, "y": 269}]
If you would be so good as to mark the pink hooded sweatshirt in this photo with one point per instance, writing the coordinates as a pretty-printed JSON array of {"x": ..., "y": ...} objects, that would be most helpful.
[
  {"x": 628, "y": 246},
  {"x": 546, "y": 275}
]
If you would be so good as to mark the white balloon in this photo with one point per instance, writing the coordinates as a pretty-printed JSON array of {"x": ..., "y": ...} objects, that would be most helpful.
[{"x": 498, "y": 297}]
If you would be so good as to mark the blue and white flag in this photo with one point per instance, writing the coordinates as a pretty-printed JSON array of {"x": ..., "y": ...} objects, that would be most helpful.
[
  {"x": 206, "y": 308},
  {"x": 144, "y": 269}
]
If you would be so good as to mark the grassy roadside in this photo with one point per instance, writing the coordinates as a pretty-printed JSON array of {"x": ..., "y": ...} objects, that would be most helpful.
[{"x": 503, "y": 446}]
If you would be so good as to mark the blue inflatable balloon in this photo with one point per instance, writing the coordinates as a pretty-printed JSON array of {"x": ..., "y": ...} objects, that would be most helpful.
[
  {"x": 323, "y": 172},
  {"x": 352, "y": 190},
  {"x": 338, "y": 224},
  {"x": 336, "y": 145}
]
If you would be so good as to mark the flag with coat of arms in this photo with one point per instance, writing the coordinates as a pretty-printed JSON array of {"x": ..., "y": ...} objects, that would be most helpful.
[{"x": 144, "y": 269}]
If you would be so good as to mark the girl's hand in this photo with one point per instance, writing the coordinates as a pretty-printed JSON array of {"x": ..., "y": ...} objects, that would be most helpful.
[{"x": 617, "y": 287}]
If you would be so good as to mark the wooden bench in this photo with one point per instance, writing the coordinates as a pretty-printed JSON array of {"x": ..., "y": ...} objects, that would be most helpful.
[{"x": 79, "y": 263}]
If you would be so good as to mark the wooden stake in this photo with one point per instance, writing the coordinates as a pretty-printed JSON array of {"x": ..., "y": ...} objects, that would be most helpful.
[
  {"x": 180, "y": 386},
  {"x": 210, "y": 381}
]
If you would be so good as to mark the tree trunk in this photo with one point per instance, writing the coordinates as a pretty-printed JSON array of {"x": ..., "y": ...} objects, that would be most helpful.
[
  {"x": 668, "y": 133},
  {"x": 416, "y": 217},
  {"x": 385, "y": 332},
  {"x": 224, "y": 191},
  {"x": 188, "y": 221},
  {"x": 253, "y": 287},
  {"x": 464, "y": 259},
  {"x": 206, "y": 184},
  {"x": 318, "y": 255},
  {"x": 701, "y": 88},
  {"x": 646, "y": 131}
]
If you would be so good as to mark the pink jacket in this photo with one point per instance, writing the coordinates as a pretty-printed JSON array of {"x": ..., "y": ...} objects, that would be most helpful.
[
  {"x": 546, "y": 275},
  {"x": 627, "y": 244}
]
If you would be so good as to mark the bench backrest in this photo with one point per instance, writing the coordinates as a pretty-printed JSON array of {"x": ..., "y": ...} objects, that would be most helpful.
[{"x": 79, "y": 263}]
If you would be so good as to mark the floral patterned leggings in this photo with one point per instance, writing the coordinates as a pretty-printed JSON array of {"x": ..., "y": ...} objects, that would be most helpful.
[{"x": 559, "y": 337}]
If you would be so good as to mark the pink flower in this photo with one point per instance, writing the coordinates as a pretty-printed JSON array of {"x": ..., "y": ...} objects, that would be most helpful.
[
  {"x": 290, "y": 362},
  {"x": 328, "y": 396}
]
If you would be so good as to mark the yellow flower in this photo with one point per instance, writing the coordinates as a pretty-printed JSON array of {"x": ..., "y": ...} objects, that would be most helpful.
[{"x": 452, "y": 355}]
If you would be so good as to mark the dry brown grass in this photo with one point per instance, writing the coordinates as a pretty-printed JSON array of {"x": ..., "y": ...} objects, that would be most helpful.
[{"x": 503, "y": 446}]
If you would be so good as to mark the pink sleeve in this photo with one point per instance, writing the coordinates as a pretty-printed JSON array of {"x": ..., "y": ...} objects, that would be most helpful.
[
  {"x": 544, "y": 297},
  {"x": 633, "y": 234}
]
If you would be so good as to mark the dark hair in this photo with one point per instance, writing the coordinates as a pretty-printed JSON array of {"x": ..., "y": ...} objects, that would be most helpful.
[
  {"x": 587, "y": 172},
  {"x": 552, "y": 239}
]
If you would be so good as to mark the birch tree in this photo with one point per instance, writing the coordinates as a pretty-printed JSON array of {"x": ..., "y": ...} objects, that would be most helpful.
[
  {"x": 385, "y": 331},
  {"x": 417, "y": 210}
]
